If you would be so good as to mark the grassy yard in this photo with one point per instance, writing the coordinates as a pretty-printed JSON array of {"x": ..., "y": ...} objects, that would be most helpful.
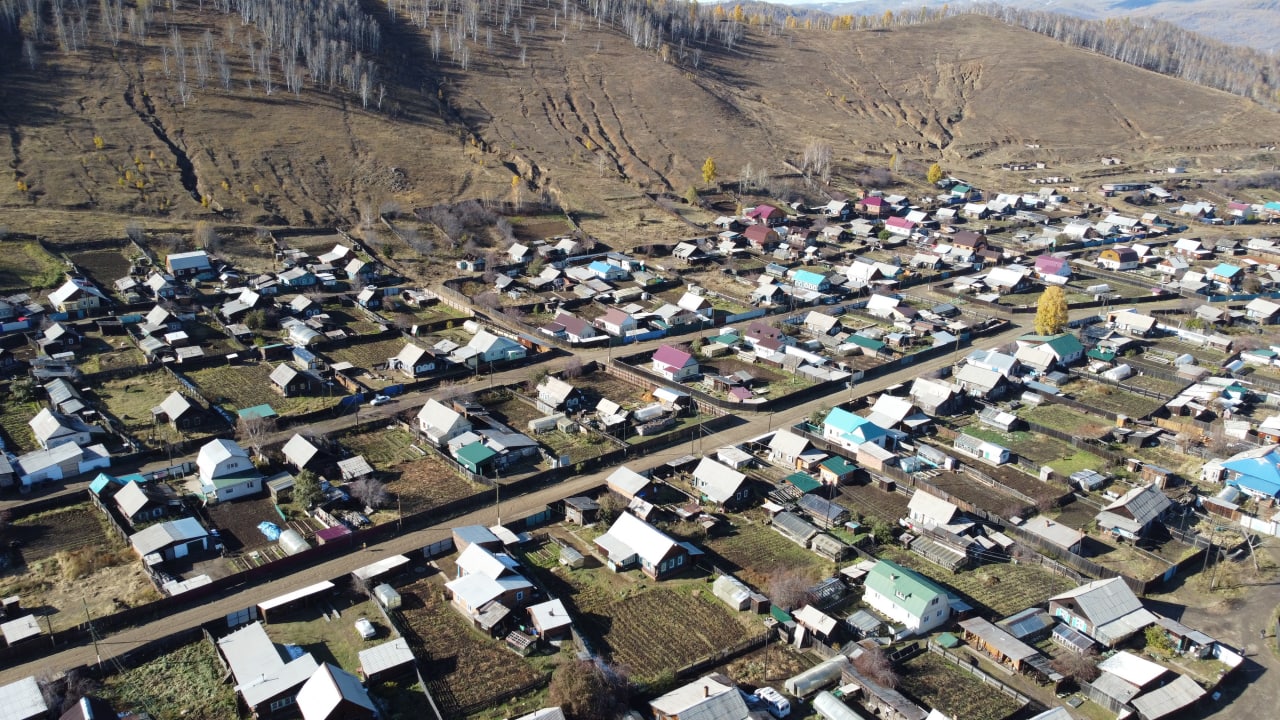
[
  {"x": 13, "y": 419},
  {"x": 367, "y": 354},
  {"x": 25, "y": 266},
  {"x": 1061, "y": 417},
  {"x": 1062, "y": 457},
  {"x": 384, "y": 448},
  {"x": 187, "y": 682},
  {"x": 237, "y": 387},
  {"x": 131, "y": 399},
  {"x": 328, "y": 639}
]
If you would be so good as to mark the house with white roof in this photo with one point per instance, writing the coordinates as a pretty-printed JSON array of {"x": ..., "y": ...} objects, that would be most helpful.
[
  {"x": 53, "y": 429},
  {"x": 171, "y": 540},
  {"x": 332, "y": 693},
  {"x": 441, "y": 423},
  {"x": 720, "y": 484},
  {"x": 266, "y": 683},
  {"x": 188, "y": 264},
  {"x": 495, "y": 348},
  {"x": 226, "y": 472},
  {"x": 634, "y": 542},
  {"x": 413, "y": 361},
  {"x": 76, "y": 294},
  {"x": 628, "y": 483},
  {"x": 695, "y": 304},
  {"x": 713, "y": 697}
]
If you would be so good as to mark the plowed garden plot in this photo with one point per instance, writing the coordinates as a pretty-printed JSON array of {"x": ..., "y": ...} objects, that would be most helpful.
[
  {"x": 237, "y": 522},
  {"x": 871, "y": 500},
  {"x": 600, "y": 385},
  {"x": 237, "y": 387},
  {"x": 44, "y": 535},
  {"x": 1112, "y": 399},
  {"x": 428, "y": 483},
  {"x": 103, "y": 266},
  {"x": 760, "y": 550},
  {"x": 465, "y": 670},
  {"x": 976, "y": 493},
  {"x": 651, "y": 631},
  {"x": 936, "y": 683},
  {"x": 1002, "y": 588}
]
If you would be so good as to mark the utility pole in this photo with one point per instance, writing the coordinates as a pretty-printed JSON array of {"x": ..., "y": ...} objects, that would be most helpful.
[{"x": 97, "y": 652}]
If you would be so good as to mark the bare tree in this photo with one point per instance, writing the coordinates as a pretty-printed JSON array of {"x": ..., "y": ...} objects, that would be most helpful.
[
  {"x": 572, "y": 368},
  {"x": 254, "y": 432},
  {"x": 874, "y": 664},
  {"x": 1083, "y": 667},
  {"x": 371, "y": 492},
  {"x": 788, "y": 587}
]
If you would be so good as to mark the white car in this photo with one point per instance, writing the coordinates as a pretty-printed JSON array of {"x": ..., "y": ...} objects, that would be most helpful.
[
  {"x": 366, "y": 629},
  {"x": 379, "y": 400},
  {"x": 779, "y": 707}
]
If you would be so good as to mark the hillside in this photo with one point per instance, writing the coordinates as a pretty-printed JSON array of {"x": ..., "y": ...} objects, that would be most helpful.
[
  {"x": 585, "y": 117},
  {"x": 1253, "y": 23}
]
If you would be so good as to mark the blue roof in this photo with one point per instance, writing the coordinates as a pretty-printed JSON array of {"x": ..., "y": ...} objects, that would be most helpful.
[
  {"x": 855, "y": 427},
  {"x": 1259, "y": 474},
  {"x": 600, "y": 266},
  {"x": 257, "y": 411},
  {"x": 1273, "y": 205},
  {"x": 1225, "y": 270},
  {"x": 809, "y": 278},
  {"x": 103, "y": 480}
]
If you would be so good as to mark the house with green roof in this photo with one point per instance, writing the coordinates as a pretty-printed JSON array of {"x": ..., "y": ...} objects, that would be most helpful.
[
  {"x": 1064, "y": 347},
  {"x": 836, "y": 470},
  {"x": 475, "y": 457},
  {"x": 906, "y": 598}
]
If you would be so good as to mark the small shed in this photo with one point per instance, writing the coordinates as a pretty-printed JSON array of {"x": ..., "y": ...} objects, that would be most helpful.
[
  {"x": 386, "y": 661},
  {"x": 581, "y": 510}
]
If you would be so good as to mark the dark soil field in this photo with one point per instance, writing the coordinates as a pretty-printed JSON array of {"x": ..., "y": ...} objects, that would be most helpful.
[
  {"x": 464, "y": 669},
  {"x": 871, "y": 500},
  {"x": 237, "y": 522},
  {"x": 936, "y": 683},
  {"x": 44, "y": 535},
  {"x": 103, "y": 266}
]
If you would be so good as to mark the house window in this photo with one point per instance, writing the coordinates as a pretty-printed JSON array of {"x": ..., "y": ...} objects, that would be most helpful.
[
  {"x": 519, "y": 595},
  {"x": 283, "y": 702},
  {"x": 680, "y": 560}
]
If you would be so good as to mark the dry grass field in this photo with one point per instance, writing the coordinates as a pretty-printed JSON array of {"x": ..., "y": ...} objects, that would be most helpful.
[{"x": 581, "y": 114}]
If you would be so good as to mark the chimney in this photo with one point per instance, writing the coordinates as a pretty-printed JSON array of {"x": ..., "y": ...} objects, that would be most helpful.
[{"x": 706, "y": 691}]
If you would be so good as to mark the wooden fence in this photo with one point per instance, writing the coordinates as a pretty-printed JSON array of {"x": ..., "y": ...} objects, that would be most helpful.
[{"x": 977, "y": 672}]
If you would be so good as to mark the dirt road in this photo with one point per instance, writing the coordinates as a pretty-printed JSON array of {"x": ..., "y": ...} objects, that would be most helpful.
[{"x": 512, "y": 507}]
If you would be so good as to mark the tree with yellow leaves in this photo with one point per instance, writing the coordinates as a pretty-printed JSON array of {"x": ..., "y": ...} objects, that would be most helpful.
[
  {"x": 1051, "y": 311},
  {"x": 934, "y": 174},
  {"x": 709, "y": 172}
]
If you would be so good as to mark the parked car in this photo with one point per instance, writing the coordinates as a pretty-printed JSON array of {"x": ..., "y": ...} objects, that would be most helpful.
[{"x": 379, "y": 400}]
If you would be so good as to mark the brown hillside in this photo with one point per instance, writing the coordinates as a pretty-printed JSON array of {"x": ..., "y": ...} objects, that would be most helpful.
[{"x": 588, "y": 116}]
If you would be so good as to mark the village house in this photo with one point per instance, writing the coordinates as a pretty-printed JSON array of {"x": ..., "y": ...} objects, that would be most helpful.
[
  {"x": 720, "y": 484},
  {"x": 171, "y": 540},
  {"x": 226, "y": 472},
  {"x": 851, "y": 431},
  {"x": 695, "y": 304},
  {"x": 1052, "y": 268},
  {"x": 617, "y": 322},
  {"x": 762, "y": 238},
  {"x": 570, "y": 327},
  {"x": 1118, "y": 257},
  {"x": 188, "y": 265},
  {"x": 629, "y": 484},
  {"x": 139, "y": 502},
  {"x": 631, "y": 541},
  {"x": 332, "y": 693},
  {"x": 1262, "y": 311},
  {"x": 936, "y": 397},
  {"x": 766, "y": 215},
  {"x": 556, "y": 395},
  {"x": 488, "y": 586},
  {"x": 413, "y": 361},
  {"x": 289, "y": 381},
  {"x": 52, "y": 429},
  {"x": 979, "y": 382},
  {"x": 1132, "y": 516},
  {"x": 267, "y": 685},
  {"x": 906, "y": 598},
  {"x": 1132, "y": 323},
  {"x": 714, "y": 697},
  {"x": 674, "y": 364},
  {"x": 1056, "y": 534},
  {"x": 1226, "y": 275},
  {"x": 440, "y": 423},
  {"x": 300, "y": 451},
  {"x": 1105, "y": 610},
  {"x": 162, "y": 286},
  {"x": 491, "y": 348},
  {"x": 76, "y": 294},
  {"x": 179, "y": 412}
]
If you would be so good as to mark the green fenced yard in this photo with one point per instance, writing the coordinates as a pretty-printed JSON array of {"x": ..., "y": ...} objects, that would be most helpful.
[{"x": 237, "y": 387}]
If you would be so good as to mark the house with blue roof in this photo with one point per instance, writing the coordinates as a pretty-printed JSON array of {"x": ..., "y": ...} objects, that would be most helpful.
[
  {"x": 809, "y": 280},
  {"x": 850, "y": 431},
  {"x": 1256, "y": 472},
  {"x": 1226, "y": 274},
  {"x": 607, "y": 271}
]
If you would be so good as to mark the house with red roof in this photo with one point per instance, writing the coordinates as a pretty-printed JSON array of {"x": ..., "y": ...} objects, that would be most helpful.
[
  {"x": 674, "y": 363},
  {"x": 1053, "y": 266},
  {"x": 900, "y": 226},
  {"x": 766, "y": 215},
  {"x": 873, "y": 205},
  {"x": 762, "y": 237}
]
